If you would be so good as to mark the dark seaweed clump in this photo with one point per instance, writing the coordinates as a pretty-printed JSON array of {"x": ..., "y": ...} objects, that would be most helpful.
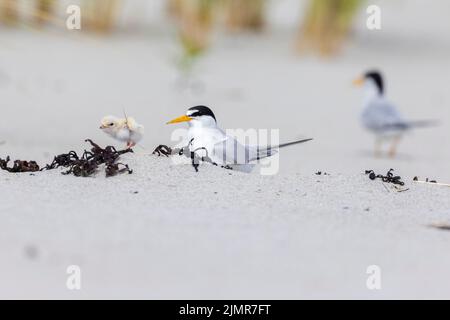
[
  {"x": 19, "y": 166},
  {"x": 389, "y": 177},
  {"x": 81, "y": 166}
]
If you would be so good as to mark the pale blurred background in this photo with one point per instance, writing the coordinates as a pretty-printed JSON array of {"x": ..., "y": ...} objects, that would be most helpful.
[
  {"x": 285, "y": 64},
  {"x": 280, "y": 64}
]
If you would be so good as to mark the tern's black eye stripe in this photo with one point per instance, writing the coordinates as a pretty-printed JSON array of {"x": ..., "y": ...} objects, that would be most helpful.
[
  {"x": 201, "y": 111},
  {"x": 377, "y": 77},
  {"x": 196, "y": 114}
]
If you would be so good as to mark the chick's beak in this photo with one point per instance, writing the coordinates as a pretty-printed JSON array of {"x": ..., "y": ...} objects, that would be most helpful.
[
  {"x": 102, "y": 126},
  {"x": 180, "y": 119},
  {"x": 358, "y": 81}
]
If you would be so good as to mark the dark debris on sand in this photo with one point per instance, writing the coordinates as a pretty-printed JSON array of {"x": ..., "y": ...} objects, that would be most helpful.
[
  {"x": 389, "y": 177},
  {"x": 81, "y": 166},
  {"x": 19, "y": 166},
  {"x": 427, "y": 180}
]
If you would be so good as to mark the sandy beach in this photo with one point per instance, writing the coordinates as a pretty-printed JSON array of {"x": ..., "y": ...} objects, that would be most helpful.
[{"x": 167, "y": 232}]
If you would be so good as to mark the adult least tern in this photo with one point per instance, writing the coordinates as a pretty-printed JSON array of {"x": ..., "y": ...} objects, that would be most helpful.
[
  {"x": 381, "y": 117},
  {"x": 207, "y": 141},
  {"x": 123, "y": 129}
]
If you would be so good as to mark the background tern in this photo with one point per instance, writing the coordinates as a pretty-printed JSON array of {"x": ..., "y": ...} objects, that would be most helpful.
[{"x": 381, "y": 117}]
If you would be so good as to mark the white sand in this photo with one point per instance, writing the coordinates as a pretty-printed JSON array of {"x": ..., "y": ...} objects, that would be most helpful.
[
  {"x": 293, "y": 235},
  {"x": 220, "y": 234}
]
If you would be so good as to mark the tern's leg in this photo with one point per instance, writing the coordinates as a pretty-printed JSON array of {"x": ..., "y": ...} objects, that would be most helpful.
[
  {"x": 393, "y": 149},
  {"x": 378, "y": 143}
]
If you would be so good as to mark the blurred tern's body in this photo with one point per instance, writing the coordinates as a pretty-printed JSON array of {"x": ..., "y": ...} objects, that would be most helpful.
[{"x": 380, "y": 116}]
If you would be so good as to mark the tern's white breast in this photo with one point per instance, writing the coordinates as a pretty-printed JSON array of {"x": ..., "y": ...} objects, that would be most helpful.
[{"x": 123, "y": 135}]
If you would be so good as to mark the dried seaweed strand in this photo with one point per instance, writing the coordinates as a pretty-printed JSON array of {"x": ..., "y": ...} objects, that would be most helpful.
[
  {"x": 83, "y": 166},
  {"x": 388, "y": 178},
  {"x": 19, "y": 166}
]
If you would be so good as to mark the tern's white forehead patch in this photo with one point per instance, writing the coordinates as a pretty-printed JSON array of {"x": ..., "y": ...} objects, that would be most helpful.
[{"x": 190, "y": 112}]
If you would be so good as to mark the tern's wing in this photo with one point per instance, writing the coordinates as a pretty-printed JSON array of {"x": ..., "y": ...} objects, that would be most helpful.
[
  {"x": 136, "y": 132},
  {"x": 380, "y": 115},
  {"x": 230, "y": 152}
]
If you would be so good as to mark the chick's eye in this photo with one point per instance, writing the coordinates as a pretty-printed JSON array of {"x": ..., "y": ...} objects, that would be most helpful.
[{"x": 111, "y": 124}]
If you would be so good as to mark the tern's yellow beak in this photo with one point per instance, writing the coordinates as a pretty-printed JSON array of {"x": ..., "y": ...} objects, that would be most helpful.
[
  {"x": 180, "y": 119},
  {"x": 358, "y": 81}
]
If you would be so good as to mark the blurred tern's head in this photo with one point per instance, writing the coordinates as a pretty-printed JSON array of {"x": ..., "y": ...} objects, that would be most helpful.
[
  {"x": 372, "y": 81},
  {"x": 197, "y": 116}
]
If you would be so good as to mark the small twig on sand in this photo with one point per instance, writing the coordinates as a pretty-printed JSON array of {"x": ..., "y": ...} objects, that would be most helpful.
[
  {"x": 433, "y": 182},
  {"x": 387, "y": 189},
  {"x": 400, "y": 190},
  {"x": 440, "y": 226}
]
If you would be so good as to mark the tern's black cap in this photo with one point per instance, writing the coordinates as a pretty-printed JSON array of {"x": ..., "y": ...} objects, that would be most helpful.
[
  {"x": 377, "y": 78},
  {"x": 198, "y": 111}
]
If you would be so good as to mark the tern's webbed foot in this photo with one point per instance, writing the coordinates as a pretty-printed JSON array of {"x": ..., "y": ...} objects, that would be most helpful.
[{"x": 162, "y": 150}]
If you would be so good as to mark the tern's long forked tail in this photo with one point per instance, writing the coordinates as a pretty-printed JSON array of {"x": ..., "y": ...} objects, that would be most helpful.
[
  {"x": 423, "y": 123},
  {"x": 291, "y": 143},
  {"x": 411, "y": 125},
  {"x": 271, "y": 150}
]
